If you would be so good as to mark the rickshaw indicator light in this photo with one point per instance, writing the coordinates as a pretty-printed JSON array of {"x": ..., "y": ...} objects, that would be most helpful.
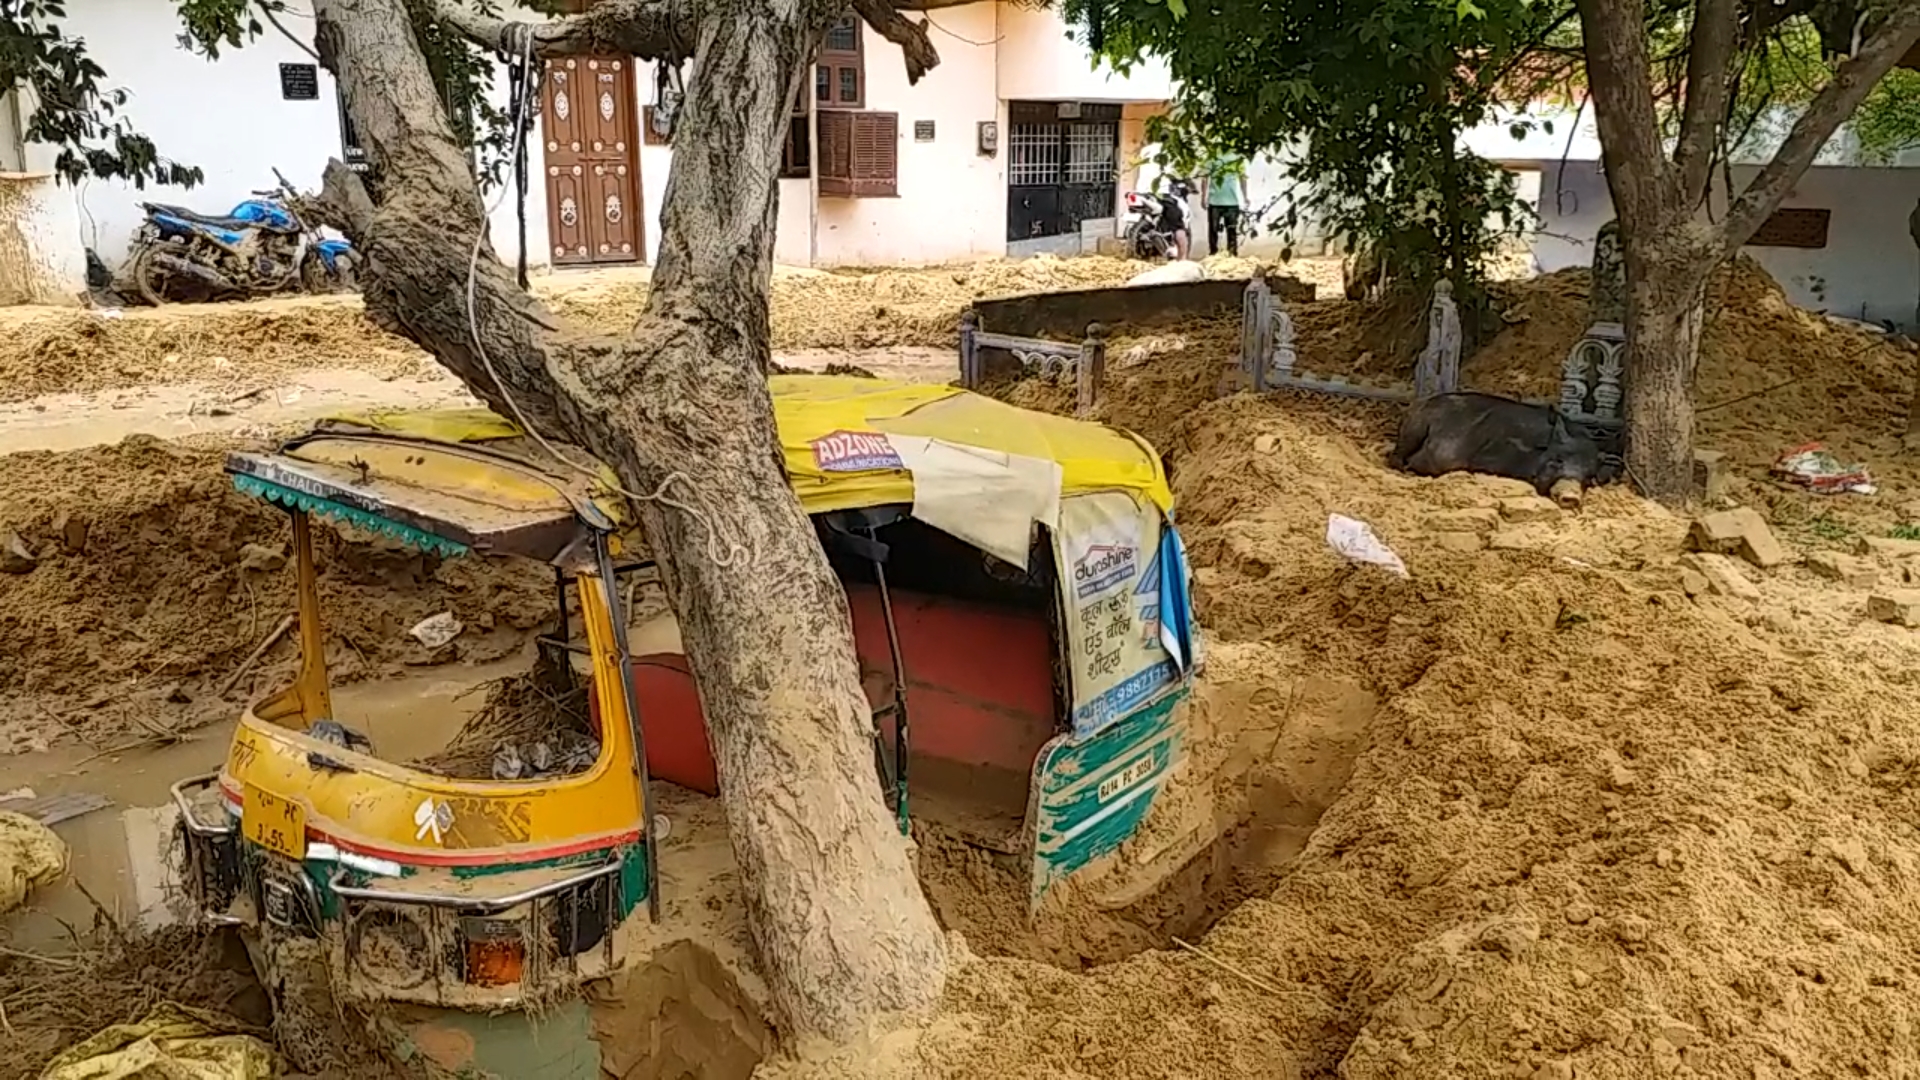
[{"x": 495, "y": 952}]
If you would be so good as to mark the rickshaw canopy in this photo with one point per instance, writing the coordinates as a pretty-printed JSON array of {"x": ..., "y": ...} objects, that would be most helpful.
[
  {"x": 822, "y": 418},
  {"x": 974, "y": 466}
]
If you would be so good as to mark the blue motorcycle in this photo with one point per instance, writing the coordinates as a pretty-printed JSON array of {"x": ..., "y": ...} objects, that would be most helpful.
[{"x": 262, "y": 246}]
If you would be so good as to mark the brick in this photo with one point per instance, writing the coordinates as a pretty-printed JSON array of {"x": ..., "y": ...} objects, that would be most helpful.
[
  {"x": 1740, "y": 531},
  {"x": 1479, "y": 519},
  {"x": 1522, "y": 508},
  {"x": 1900, "y": 607},
  {"x": 1710, "y": 474},
  {"x": 1886, "y": 547},
  {"x": 1722, "y": 575},
  {"x": 1506, "y": 540},
  {"x": 1848, "y": 570},
  {"x": 1460, "y": 542}
]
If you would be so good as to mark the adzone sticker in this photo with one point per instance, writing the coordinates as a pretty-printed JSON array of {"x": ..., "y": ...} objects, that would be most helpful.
[{"x": 854, "y": 451}]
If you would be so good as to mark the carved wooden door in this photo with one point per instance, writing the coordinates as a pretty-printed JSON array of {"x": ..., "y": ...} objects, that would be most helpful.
[{"x": 593, "y": 161}]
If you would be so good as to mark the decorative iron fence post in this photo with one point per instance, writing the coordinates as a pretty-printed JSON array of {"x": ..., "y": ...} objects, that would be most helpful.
[
  {"x": 969, "y": 350},
  {"x": 1285, "y": 355},
  {"x": 1438, "y": 370},
  {"x": 1256, "y": 337},
  {"x": 1092, "y": 373}
]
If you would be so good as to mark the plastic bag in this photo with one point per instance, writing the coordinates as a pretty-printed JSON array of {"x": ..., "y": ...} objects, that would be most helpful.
[
  {"x": 1355, "y": 540},
  {"x": 1813, "y": 468}
]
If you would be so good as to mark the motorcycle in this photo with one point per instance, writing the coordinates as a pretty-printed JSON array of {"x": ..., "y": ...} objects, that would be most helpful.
[
  {"x": 262, "y": 246},
  {"x": 1152, "y": 219}
]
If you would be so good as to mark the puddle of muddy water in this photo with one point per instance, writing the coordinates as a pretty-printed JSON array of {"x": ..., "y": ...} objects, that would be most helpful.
[{"x": 119, "y": 853}]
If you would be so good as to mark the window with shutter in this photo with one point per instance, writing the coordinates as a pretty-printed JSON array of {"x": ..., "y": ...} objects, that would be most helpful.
[
  {"x": 859, "y": 154},
  {"x": 840, "y": 75},
  {"x": 876, "y": 154},
  {"x": 836, "y": 87}
]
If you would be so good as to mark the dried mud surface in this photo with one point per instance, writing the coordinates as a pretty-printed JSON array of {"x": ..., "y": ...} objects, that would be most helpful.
[
  {"x": 241, "y": 347},
  {"x": 1532, "y": 811},
  {"x": 155, "y": 579}
]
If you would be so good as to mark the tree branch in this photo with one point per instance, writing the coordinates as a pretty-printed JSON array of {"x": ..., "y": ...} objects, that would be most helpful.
[
  {"x": 419, "y": 240},
  {"x": 1620, "y": 83},
  {"x": 915, "y": 47},
  {"x": 1852, "y": 81},
  {"x": 1710, "y": 55},
  {"x": 667, "y": 29},
  {"x": 649, "y": 29}
]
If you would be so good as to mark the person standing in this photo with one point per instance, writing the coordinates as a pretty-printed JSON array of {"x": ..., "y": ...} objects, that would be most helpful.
[{"x": 1226, "y": 181}]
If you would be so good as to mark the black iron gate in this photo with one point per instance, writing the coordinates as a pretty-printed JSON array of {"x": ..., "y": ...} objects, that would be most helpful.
[{"x": 1062, "y": 165}]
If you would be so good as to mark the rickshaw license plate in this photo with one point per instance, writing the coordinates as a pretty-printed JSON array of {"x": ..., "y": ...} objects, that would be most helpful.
[
  {"x": 1139, "y": 769},
  {"x": 277, "y": 824}
]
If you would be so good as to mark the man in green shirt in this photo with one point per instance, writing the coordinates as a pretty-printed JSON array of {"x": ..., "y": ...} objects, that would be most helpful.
[{"x": 1226, "y": 177}]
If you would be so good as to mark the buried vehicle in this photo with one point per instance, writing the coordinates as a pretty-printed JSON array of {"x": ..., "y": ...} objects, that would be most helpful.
[
  {"x": 1019, "y": 600},
  {"x": 1485, "y": 433}
]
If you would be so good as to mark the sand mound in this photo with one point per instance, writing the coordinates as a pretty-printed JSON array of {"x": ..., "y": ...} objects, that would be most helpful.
[
  {"x": 1591, "y": 827},
  {"x": 147, "y": 594},
  {"x": 239, "y": 346},
  {"x": 1771, "y": 377}
]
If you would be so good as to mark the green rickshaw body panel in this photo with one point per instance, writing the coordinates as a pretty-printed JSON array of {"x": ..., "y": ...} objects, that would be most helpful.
[{"x": 1091, "y": 795}]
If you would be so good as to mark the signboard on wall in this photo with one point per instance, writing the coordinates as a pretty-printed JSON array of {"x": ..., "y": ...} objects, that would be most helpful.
[{"x": 300, "y": 82}]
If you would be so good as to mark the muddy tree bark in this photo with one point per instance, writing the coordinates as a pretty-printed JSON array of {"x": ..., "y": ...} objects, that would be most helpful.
[
  {"x": 1669, "y": 251},
  {"x": 680, "y": 407}
]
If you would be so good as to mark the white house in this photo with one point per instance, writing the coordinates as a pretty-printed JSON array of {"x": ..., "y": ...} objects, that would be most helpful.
[
  {"x": 1838, "y": 243},
  {"x": 1015, "y": 143}
]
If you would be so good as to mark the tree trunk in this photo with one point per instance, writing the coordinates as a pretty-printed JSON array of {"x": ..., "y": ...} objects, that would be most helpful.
[
  {"x": 1669, "y": 253},
  {"x": 1664, "y": 307},
  {"x": 681, "y": 411}
]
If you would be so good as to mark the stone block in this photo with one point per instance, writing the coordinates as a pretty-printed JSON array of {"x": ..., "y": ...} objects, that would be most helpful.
[
  {"x": 1459, "y": 542},
  {"x": 1479, "y": 519},
  {"x": 1901, "y": 607},
  {"x": 1886, "y": 547},
  {"x": 1848, "y": 570},
  {"x": 1721, "y": 573},
  {"x": 1710, "y": 474},
  {"x": 1524, "y": 508},
  {"x": 1740, "y": 531}
]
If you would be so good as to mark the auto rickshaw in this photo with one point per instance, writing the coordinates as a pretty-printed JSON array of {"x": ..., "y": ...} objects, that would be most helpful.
[{"x": 1019, "y": 599}]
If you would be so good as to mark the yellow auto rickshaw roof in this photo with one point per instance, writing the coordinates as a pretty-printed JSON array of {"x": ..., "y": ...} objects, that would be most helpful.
[
  {"x": 435, "y": 495},
  {"x": 812, "y": 409}
]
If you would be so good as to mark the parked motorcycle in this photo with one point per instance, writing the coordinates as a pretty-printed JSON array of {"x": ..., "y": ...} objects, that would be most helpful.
[
  {"x": 1152, "y": 219},
  {"x": 262, "y": 246}
]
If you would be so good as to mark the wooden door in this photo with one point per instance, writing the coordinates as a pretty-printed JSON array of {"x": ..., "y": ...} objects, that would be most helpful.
[{"x": 593, "y": 161}]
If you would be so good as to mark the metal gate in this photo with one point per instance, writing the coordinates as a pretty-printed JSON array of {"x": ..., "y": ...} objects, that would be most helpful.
[{"x": 1062, "y": 166}]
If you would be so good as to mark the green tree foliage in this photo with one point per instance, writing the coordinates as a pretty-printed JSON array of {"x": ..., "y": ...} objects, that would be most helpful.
[
  {"x": 1366, "y": 99},
  {"x": 69, "y": 102},
  {"x": 1787, "y": 52}
]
